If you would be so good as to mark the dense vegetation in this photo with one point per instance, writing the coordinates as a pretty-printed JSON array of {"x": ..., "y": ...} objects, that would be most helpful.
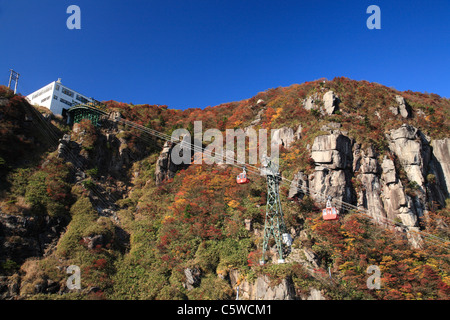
[{"x": 196, "y": 220}]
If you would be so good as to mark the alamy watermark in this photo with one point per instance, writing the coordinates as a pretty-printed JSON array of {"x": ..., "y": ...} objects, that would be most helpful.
[
  {"x": 74, "y": 281},
  {"x": 234, "y": 151},
  {"x": 374, "y": 281},
  {"x": 74, "y": 20},
  {"x": 374, "y": 21}
]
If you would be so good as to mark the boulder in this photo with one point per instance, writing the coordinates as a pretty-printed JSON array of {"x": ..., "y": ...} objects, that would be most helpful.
[
  {"x": 330, "y": 102},
  {"x": 329, "y": 99},
  {"x": 94, "y": 241},
  {"x": 402, "y": 108},
  {"x": 64, "y": 146},
  {"x": 309, "y": 102},
  {"x": 192, "y": 278},
  {"x": 298, "y": 132},
  {"x": 283, "y": 137}
]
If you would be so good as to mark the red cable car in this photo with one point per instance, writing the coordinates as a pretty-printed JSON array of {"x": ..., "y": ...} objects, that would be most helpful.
[
  {"x": 330, "y": 213},
  {"x": 242, "y": 178}
]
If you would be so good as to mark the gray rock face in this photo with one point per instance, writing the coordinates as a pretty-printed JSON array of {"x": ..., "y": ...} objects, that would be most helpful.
[
  {"x": 347, "y": 173},
  {"x": 403, "y": 108},
  {"x": 298, "y": 132},
  {"x": 414, "y": 153},
  {"x": 309, "y": 103},
  {"x": 262, "y": 289},
  {"x": 64, "y": 146},
  {"x": 283, "y": 136},
  {"x": 441, "y": 152},
  {"x": 314, "y": 294},
  {"x": 165, "y": 167},
  {"x": 407, "y": 145},
  {"x": 329, "y": 99},
  {"x": 396, "y": 203},
  {"x": 299, "y": 186},
  {"x": 333, "y": 151},
  {"x": 23, "y": 237},
  {"x": 163, "y": 164},
  {"x": 369, "y": 194},
  {"x": 330, "y": 102},
  {"x": 332, "y": 155},
  {"x": 282, "y": 291},
  {"x": 192, "y": 278}
]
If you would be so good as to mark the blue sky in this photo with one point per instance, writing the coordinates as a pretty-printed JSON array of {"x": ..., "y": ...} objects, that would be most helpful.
[{"x": 196, "y": 53}]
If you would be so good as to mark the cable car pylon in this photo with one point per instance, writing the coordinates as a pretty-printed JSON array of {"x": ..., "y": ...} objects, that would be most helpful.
[{"x": 274, "y": 222}]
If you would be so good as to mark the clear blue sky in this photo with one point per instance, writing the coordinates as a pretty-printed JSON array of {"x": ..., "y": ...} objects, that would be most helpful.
[{"x": 195, "y": 53}]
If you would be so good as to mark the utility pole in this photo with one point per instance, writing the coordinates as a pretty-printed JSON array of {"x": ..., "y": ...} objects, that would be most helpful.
[
  {"x": 274, "y": 223},
  {"x": 14, "y": 76}
]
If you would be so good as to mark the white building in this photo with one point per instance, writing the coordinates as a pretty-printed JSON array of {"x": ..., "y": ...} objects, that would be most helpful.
[{"x": 57, "y": 97}]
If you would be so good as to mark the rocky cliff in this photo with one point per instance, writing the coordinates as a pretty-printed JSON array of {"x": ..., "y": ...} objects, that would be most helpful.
[{"x": 111, "y": 200}]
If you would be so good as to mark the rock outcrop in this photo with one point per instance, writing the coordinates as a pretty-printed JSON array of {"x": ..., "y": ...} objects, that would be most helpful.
[
  {"x": 299, "y": 186},
  {"x": 358, "y": 176},
  {"x": 332, "y": 155},
  {"x": 401, "y": 108},
  {"x": 330, "y": 102},
  {"x": 193, "y": 278},
  {"x": 369, "y": 185},
  {"x": 441, "y": 165},
  {"x": 327, "y": 105},
  {"x": 262, "y": 288},
  {"x": 283, "y": 137},
  {"x": 395, "y": 201},
  {"x": 166, "y": 168},
  {"x": 23, "y": 237},
  {"x": 407, "y": 145}
]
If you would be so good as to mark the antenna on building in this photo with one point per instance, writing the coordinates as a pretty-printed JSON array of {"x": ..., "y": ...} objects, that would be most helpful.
[
  {"x": 14, "y": 76},
  {"x": 59, "y": 80}
]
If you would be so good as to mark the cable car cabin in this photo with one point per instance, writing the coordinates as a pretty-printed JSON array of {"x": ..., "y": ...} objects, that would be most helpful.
[
  {"x": 242, "y": 178},
  {"x": 330, "y": 213}
]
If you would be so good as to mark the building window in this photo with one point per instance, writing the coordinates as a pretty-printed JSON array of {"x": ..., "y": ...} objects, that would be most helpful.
[
  {"x": 65, "y": 101},
  {"x": 57, "y": 87},
  {"x": 67, "y": 92},
  {"x": 55, "y": 97},
  {"x": 41, "y": 92},
  {"x": 82, "y": 99}
]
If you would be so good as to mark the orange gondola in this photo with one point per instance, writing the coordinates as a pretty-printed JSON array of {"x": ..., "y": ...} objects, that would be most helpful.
[
  {"x": 242, "y": 178},
  {"x": 330, "y": 213}
]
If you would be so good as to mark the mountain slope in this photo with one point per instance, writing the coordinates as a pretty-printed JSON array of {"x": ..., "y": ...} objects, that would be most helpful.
[{"x": 193, "y": 233}]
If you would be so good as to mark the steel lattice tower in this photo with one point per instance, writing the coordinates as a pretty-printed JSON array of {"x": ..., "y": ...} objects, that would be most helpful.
[{"x": 274, "y": 222}]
